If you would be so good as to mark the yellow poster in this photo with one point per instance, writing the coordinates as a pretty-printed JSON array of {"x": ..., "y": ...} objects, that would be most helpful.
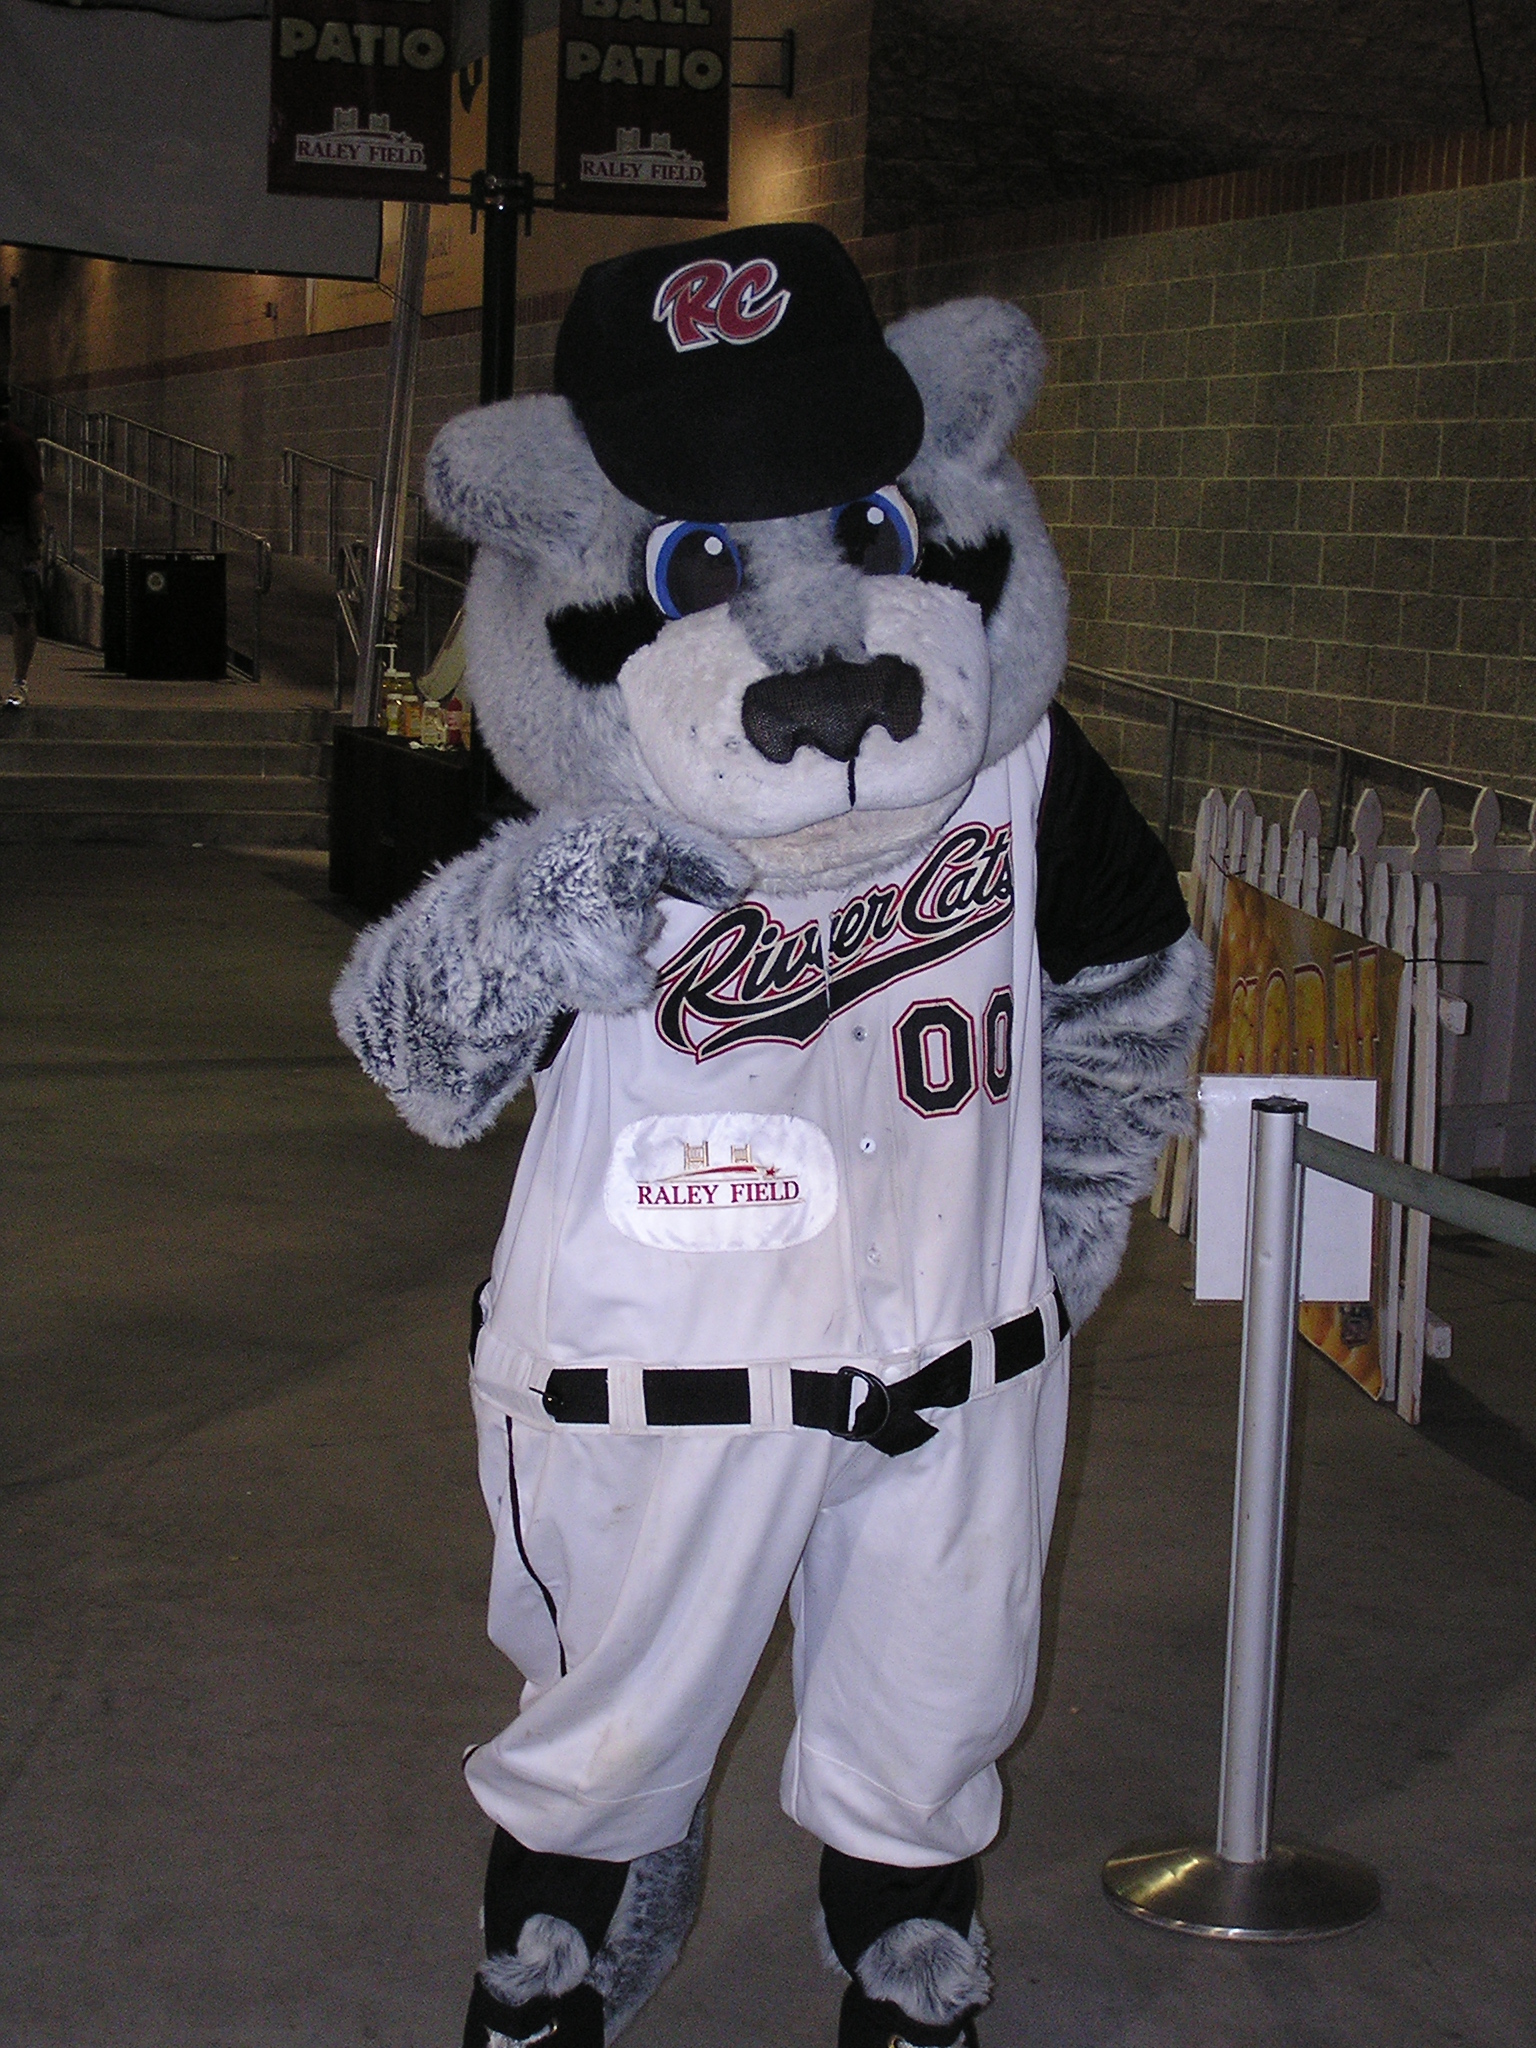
[{"x": 1297, "y": 996}]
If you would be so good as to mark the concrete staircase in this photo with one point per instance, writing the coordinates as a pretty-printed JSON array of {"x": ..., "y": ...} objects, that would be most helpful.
[{"x": 164, "y": 776}]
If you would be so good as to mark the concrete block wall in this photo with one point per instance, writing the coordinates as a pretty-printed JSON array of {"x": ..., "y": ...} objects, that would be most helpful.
[
  {"x": 1288, "y": 458},
  {"x": 326, "y": 401}
]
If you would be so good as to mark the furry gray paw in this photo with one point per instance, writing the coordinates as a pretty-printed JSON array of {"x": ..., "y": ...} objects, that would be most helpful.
[
  {"x": 1117, "y": 1047},
  {"x": 594, "y": 888}
]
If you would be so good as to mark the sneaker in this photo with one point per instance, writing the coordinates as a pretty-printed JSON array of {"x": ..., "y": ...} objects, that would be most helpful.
[{"x": 17, "y": 700}]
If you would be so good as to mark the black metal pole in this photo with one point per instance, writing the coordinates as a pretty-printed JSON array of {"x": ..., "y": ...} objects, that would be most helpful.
[{"x": 503, "y": 122}]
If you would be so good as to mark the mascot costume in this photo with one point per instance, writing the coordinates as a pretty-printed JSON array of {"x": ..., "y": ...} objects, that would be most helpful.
[{"x": 858, "y": 1003}]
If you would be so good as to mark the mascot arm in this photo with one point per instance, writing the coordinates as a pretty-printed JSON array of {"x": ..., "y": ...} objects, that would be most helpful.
[
  {"x": 1126, "y": 989},
  {"x": 449, "y": 1000}
]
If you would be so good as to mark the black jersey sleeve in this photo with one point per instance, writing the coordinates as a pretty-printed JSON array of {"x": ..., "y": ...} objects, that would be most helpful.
[{"x": 1106, "y": 890}]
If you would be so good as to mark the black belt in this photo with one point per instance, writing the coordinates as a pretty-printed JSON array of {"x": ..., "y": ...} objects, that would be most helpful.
[{"x": 850, "y": 1403}]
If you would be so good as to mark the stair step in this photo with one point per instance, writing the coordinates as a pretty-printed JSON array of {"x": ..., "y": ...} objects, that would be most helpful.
[
  {"x": 120, "y": 793},
  {"x": 164, "y": 722},
  {"x": 258, "y": 757},
  {"x": 164, "y": 828}
]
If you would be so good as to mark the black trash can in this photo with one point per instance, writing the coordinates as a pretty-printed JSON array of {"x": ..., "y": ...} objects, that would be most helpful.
[{"x": 164, "y": 616}]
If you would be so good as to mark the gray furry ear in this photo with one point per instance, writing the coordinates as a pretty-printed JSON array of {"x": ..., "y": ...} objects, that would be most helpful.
[
  {"x": 518, "y": 475},
  {"x": 978, "y": 364}
]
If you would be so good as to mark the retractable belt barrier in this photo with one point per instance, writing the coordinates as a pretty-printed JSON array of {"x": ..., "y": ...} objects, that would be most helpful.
[{"x": 1248, "y": 1887}]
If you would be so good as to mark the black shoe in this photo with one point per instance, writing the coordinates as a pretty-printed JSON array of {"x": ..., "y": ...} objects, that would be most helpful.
[
  {"x": 574, "y": 1946},
  {"x": 867, "y": 2023},
  {"x": 911, "y": 1943},
  {"x": 574, "y": 2021}
]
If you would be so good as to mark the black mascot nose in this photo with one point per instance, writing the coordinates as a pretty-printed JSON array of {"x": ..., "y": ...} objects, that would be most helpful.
[{"x": 831, "y": 707}]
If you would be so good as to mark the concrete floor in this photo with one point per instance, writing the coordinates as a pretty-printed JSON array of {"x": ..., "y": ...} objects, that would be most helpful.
[{"x": 245, "y": 1564}]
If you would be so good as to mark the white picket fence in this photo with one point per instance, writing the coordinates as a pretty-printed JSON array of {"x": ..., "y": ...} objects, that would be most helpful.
[{"x": 1464, "y": 1066}]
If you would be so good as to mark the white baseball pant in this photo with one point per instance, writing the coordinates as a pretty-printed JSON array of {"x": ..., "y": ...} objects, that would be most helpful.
[{"x": 637, "y": 1577}]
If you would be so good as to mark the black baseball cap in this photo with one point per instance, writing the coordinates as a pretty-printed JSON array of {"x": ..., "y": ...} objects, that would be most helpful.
[{"x": 743, "y": 376}]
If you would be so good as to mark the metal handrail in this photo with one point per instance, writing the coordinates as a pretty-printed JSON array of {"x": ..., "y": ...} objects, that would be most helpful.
[
  {"x": 336, "y": 475},
  {"x": 1347, "y": 756},
  {"x": 349, "y": 599},
  {"x": 220, "y": 529},
  {"x": 107, "y": 426},
  {"x": 94, "y": 433}
]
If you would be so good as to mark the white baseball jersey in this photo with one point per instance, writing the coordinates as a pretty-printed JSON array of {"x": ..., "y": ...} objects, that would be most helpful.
[{"x": 820, "y": 1142}]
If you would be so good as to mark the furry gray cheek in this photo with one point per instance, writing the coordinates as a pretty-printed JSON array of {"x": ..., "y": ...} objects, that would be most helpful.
[{"x": 683, "y": 696}]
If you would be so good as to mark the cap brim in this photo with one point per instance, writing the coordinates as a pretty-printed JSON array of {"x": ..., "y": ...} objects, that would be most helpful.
[{"x": 802, "y": 434}]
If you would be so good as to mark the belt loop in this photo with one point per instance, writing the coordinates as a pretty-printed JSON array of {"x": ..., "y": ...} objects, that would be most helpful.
[
  {"x": 772, "y": 1397},
  {"x": 626, "y": 1399},
  {"x": 983, "y": 1364},
  {"x": 1059, "y": 1323}
]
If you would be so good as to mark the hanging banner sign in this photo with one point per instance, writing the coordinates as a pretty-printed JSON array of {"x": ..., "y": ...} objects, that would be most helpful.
[
  {"x": 360, "y": 98},
  {"x": 643, "y": 107}
]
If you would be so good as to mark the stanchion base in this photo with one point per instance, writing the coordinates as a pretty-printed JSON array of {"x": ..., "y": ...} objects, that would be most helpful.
[{"x": 1295, "y": 1894}]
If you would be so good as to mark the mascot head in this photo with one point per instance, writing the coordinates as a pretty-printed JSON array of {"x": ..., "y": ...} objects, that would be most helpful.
[{"x": 758, "y": 564}]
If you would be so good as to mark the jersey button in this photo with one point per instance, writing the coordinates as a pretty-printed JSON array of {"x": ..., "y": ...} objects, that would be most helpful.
[
  {"x": 867, "y": 1145},
  {"x": 873, "y": 1255},
  {"x": 858, "y": 1034}
]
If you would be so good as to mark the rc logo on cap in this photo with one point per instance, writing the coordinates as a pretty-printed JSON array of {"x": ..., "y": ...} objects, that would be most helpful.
[{"x": 708, "y": 301}]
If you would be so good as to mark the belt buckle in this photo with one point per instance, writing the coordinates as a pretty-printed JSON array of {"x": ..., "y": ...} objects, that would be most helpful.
[{"x": 846, "y": 1375}]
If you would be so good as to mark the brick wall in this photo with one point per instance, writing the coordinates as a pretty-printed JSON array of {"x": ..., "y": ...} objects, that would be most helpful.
[{"x": 1287, "y": 454}]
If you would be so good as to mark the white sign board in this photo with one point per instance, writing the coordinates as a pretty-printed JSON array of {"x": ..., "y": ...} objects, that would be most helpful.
[
  {"x": 1336, "y": 1220},
  {"x": 135, "y": 136}
]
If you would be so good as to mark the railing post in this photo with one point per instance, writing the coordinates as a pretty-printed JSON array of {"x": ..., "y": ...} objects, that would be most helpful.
[
  {"x": 388, "y": 499},
  {"x": 1270, "y": 1295},
  {"x": 1342, "y": 777},
  {"x": 1248, "y": 1888},
  {"x": 1170, "y": 747}
]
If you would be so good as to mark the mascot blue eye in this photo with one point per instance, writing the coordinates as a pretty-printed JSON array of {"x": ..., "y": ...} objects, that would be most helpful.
[
  {"x": 877, "y": 534},
  {"x": 691, "y": 568}
]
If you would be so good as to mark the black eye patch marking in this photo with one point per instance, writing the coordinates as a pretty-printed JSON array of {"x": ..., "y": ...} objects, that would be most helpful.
[
  {"x": 981, "y": 572},
  {"x": 593, "y": 641}
]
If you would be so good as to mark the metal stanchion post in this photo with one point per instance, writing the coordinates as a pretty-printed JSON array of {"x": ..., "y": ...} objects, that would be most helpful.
[{"x": 1248, "y": 1888}]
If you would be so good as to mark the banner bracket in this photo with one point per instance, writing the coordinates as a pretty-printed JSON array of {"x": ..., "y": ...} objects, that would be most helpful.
[
  {"x": 489, "y": 193},
  {"x": 785, "y": 82}
]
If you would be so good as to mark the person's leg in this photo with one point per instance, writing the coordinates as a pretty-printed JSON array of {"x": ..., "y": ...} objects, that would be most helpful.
[
  {"x": 635, "y": 1581},
  {"x": 917, "y": 1613},
  {"x": 23, "y": 642},
  {"x": 23, "y": 647}
]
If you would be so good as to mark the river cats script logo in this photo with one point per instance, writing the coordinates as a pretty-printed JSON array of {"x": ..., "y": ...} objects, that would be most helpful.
[{"x": 746, "y": 979}]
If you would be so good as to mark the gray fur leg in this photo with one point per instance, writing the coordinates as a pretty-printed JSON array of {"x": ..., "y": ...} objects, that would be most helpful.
[
  {"x": 927, "y": 1971},
  {"x": 1117, "y": 1046},
  {"x": 656, "y": 1909}
]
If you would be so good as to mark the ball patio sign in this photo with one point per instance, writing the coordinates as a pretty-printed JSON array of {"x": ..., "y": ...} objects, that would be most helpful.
[{"x": 642, "y": 112}]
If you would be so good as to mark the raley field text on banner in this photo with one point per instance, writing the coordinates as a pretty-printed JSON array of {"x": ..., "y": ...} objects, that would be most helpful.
[
  {"x": 360, "y": 98},
  {"x": 643, "y": 107}
]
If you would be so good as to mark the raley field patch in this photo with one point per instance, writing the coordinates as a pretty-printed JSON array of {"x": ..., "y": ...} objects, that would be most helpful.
[{"x": 728, "y": 1183}]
